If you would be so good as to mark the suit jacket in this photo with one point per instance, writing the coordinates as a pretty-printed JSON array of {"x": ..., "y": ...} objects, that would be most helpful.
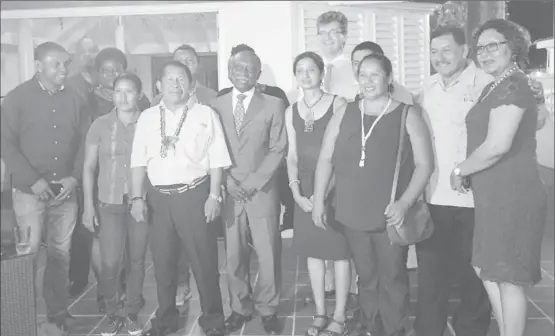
[{"x": 256, "y": 153}]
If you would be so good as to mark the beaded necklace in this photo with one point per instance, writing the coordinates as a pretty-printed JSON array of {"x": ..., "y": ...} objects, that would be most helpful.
[
  {"x": 170, "y": 141},
  {"x": 497, "y": 82}
]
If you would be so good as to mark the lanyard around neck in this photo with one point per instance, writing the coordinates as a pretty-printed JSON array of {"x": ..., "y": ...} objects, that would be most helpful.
[{"x": 364, "y": 137}]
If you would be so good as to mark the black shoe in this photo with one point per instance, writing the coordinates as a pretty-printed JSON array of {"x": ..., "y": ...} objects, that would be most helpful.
[
  {"x": 76, "y": 289},
  {"x": 214, "y": 332},
  {"x": 160, "y": 331},
  {"x": 235, "y": 321},
  {"x": 64, "y": 322},
  {"x": 271, "y": 324}
]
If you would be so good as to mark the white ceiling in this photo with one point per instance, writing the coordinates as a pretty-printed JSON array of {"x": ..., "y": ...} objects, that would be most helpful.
[{"x": 143, "y": 33}]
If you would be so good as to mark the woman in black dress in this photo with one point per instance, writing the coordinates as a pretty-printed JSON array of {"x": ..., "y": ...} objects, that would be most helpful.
[
  {"x": 306, "y": 123},
  {"x": 509, "y": 199}
]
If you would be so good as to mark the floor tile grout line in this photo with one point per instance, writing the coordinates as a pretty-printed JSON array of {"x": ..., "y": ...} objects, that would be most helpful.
[
  {"x": 293, "y": 332},
  {"x": 540, "y": 309},
  {"x": 104, "y": 316}
]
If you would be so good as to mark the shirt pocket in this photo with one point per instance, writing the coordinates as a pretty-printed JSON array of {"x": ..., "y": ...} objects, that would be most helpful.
[{"x": 200, "y": 141}]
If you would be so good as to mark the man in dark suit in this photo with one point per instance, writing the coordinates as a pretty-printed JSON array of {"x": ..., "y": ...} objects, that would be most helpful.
[
  {"x": 285, "y": 195},
  {"x": 254, "y": 127}
]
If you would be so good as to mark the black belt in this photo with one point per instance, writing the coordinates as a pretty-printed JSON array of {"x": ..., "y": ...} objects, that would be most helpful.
[{"x": 173, "y": 189}]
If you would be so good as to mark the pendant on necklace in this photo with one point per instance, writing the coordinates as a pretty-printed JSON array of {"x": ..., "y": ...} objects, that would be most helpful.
[
  {"x": 309, "y": 125},
  {"x": 362, "y": 157},
  {"x": 168, "y": 142}
]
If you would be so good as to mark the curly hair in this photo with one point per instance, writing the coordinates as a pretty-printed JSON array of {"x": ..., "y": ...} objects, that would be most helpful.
[
  {"x": 334, "y": 16},
  {"x": 517, "y": 36}
]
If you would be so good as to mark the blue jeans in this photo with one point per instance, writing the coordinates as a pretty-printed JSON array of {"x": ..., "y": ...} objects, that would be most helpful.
[
  {"x": 58, "y": 218},
  {"x": 118, "y": 230}
]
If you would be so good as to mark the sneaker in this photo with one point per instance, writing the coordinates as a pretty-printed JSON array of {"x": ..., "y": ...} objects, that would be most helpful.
[
  {"x": 115, "y": 325},
  {"x": 183, "y": 295},
  {"x": 134, "y": 327}
]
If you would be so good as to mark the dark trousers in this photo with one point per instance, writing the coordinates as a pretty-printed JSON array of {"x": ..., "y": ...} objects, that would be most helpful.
[
  {"x": 180, "y": 218},
  {"x": 120, "y": 232},
  {"x": 445, "y": 258},
  {"x": 383, "y": 283}
]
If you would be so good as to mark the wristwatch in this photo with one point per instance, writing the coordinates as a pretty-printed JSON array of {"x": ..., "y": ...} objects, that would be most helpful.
[
  {"x": 136, "y": 198},
  {"x": 457, "y": 171},
  {"x": 215, "y": 197}
]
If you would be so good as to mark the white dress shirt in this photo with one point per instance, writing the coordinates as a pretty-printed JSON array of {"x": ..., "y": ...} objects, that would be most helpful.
[
  {"x": 201, "y": 145},
  {"x": 445, "y": 110}
]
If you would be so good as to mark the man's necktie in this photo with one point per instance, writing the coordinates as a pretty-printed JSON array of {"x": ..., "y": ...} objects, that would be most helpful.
[
  {"x": 327, "y": 78},
  {"x": 239, "y": 112}
]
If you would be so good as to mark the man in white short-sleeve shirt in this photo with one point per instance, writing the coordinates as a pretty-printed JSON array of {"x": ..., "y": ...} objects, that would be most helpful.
[{"x": 180, "y": 144}]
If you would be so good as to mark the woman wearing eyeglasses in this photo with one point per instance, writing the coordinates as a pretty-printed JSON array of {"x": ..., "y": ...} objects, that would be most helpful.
[{"x": 502, "y": 167}]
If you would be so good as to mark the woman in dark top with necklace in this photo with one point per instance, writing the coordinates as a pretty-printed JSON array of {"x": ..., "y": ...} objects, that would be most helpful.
[
  {"x": 306, "y": 122},
  {"x": 360, "y": 148},
  {"x": 510, "y": 203}
]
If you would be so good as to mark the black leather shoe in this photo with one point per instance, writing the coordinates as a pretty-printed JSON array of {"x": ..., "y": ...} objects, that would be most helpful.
[
  {"x": 271, "y": 324},
  {"x": 159, "y": 331},
  {"x": 65, "y": 322},
  {"x": 76, "y": 289},
  {"x": 214, "y": 332},
  {"x": 235, "y": 321}
]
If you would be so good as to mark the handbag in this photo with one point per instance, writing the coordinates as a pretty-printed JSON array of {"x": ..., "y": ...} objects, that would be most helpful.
[{"x": 417, "y": 224}]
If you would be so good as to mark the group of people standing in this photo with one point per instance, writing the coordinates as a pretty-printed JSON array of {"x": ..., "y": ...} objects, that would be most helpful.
[{"x": 164, "y": 172}]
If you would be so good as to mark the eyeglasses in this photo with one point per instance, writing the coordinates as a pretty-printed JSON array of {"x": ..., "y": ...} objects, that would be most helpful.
[
  {"x": 331, "y": 33},
  {"x": 490, "y": 47}
]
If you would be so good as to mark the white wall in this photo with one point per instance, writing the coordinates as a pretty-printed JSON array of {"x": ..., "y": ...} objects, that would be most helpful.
[
  {"x": 265, "y": 26},
  {"x": 9, "y": 69},
  {"x": 141, "y": 65}
]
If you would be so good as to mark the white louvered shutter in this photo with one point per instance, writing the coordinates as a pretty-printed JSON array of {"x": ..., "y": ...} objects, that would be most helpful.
[
  {"x": 414, "y": 51},
  {"x": 309, "y": 32},
  {"x": 387, "y": 36},
  {"x": 404, "y": 38}
]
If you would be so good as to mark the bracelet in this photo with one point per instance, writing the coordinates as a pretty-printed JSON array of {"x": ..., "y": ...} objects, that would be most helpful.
[
  {"x": 136, "y": 198},
  {"x": 215, "y": 197},
  {"x": 294, "y": 181}
]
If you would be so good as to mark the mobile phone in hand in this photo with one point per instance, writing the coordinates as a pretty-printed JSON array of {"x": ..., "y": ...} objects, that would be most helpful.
[{"x": 56, "y": 188}]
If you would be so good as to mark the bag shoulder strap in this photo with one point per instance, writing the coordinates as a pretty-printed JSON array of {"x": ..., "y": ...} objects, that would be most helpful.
[{"x": 402, "y": 133}]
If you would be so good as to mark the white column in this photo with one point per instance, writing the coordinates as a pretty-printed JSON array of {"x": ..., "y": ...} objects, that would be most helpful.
[
  {"x": 25, "y": 49},
  {"x": 120, "y": 34}
]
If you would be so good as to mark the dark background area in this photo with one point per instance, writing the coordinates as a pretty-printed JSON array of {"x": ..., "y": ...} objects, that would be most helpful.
[{"x": 537, "y": 17}]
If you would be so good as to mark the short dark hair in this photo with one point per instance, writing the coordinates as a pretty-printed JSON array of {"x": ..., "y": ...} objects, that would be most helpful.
[
  {"x": 457, "y": 32},
  {"x": 368, "y": 45},
  {"x": 185, "y": 47},
  {"x": 333, "y": 16},
  {"x": 110, "y": 54},
  {"x": 44, "y": 48},
  {"x": 385, "y": 63},
  {"x": 241, "y": 47},
  {"x": 245, "y": 47},
  {"x": 317, "y": 59},
  {"x": 176, "y": 64},
  {"x": 130, "y": 77}
]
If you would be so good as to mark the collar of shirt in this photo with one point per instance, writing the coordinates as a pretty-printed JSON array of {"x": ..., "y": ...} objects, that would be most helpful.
[
  {"x": 467, "y": 77},
  {"x": 45, "y": 89},
  {"x": 114, "y": 116},
  {"x": 339, "y": 58},
  {"x": 246, "y": 101}
]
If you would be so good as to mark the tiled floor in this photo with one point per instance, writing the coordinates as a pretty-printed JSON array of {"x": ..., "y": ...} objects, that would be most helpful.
[{"x": 295, "y": 313}]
